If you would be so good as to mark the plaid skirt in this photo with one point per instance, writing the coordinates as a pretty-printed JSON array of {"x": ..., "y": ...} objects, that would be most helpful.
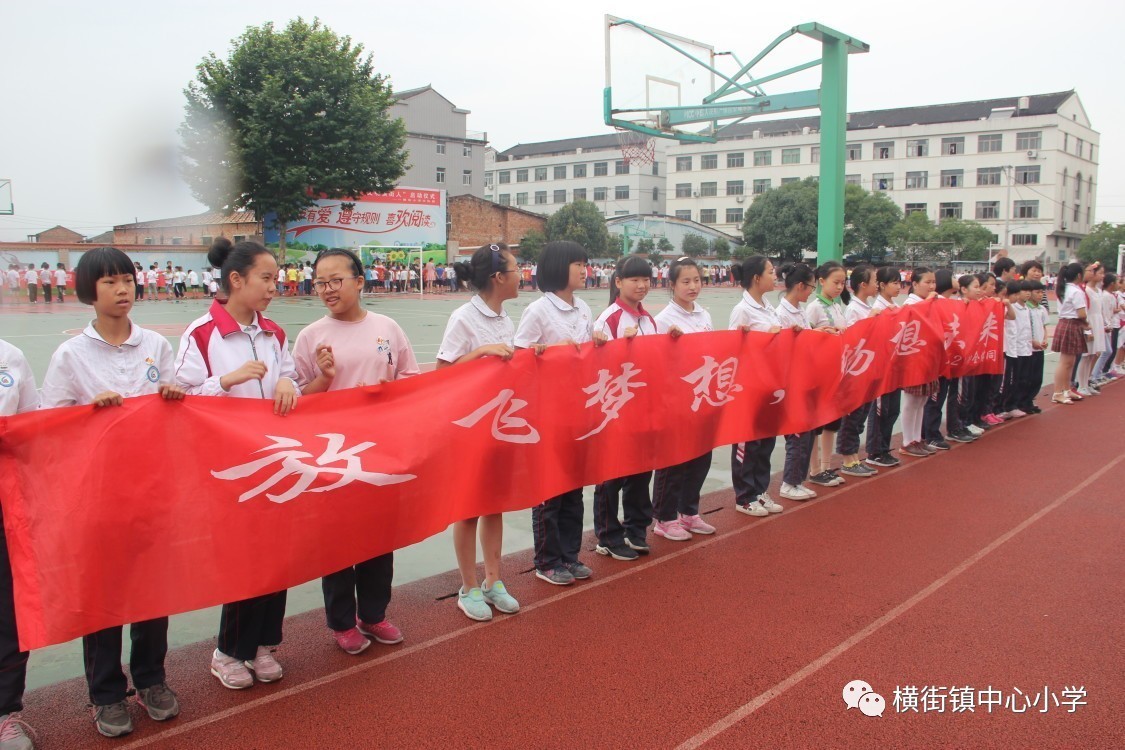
[
  {"x": 926, "y": 389},
  {"x": 1069, "y": 338}
]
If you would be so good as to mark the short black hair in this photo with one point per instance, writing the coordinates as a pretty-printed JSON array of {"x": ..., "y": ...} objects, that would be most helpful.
[
  {"x": 1028, "y": 265},
  {"x": 629, "y": 267},
  {"x": 1013, "y": 287},
  {"x": 1003, "y": 264},
  {"x": 751, "y": 268},
  {"x": 95, "y": 265},
  {"x": 233, "y": 258},
  {"x": 1034, "y": 286},
  {"x": 357, "y": 266},
  {"x": 944, "y": 279},
  {"x": 553, "y": 273}
]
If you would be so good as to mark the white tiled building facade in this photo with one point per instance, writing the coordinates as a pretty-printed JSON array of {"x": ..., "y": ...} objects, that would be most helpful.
[
  {"x": 543, "y": 177},
  {"x": 945, "y": 160},
  {"x": 444, "y": 155}
]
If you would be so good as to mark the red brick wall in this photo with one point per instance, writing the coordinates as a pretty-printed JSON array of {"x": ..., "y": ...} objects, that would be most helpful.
[
  {"x": 474, "y": 222},
  {"x": 192, "y": 235},
  {"x": 59, "y": 234}
]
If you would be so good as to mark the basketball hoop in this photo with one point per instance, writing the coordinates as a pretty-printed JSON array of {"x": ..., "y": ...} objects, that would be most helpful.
[{"x": 636, "y": 147}]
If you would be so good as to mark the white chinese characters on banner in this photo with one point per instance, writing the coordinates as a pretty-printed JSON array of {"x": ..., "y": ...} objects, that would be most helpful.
[
  {"x": 990, "y": 330},
  {"x": 611, "y": 394},
  {"x": 856, "y": 360},
  {"x": 505, "y": 426},
  {"x": 908, "y": 340},
  {"x": 293, "y": 463},
  {"x": 952, "y": 330},
  {"x": 714, "y": 382}
]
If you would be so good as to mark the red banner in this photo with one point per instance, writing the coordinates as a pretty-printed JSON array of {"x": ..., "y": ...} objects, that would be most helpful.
[{"x": 122, "y": 514}]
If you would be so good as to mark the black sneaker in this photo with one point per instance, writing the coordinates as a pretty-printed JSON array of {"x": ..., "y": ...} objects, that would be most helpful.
[
  {"x": 640, "y": 546},
  {"x": 939, "y": 444},
  {"x": 617, "y": 552},
  {"x": 1033, "y": 410},
  {"x": 579, "y": 571},
  {"x": 159, "y": 701},
  {"x": 962, "y": 436},
  {"x": 983, "y": 426},
  {"x": 824, "y": 479},
  {"x": 882, "y": 460},
  {"x": 113, "y": 720}
]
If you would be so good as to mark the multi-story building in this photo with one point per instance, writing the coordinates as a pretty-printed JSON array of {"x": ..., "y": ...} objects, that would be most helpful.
[
  {"x": 444, "y": 155},
  {"x": 543, "y": 177},
  {"x": 1025, "y": 167}
]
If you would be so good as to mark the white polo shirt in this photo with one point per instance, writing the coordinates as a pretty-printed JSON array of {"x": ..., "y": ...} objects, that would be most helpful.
[
  {"x": 1039, "y": 317},
  {"x": 31, "y": 277},
  {"x": 1074, "y": 299},
  {"x": 17, "y": 383},
  {"x": 881, "y": 304},
  {"x": 832, "y": 315},
  {"x": 87, "y": 365},
  {"x": 193, "y": 278},
  {"x": 550, "y": 320},
  {"x": 696, "y": 321},
  {"x": 60, "y": 277},
  {"x": 856, "y": 310},
  {"x": 760, "y": 317},
  {"x": 791, "y": 315},
  {"x": 1023, "y": 330},
  {"x": 912, "y": 299},
  {"x": 616, "y": 318},
  {"x": 473, "y": 325}
]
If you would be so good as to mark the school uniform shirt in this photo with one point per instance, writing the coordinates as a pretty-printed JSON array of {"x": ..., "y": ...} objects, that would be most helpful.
[
  {"x": 192, "y": 278},
  {"x": 17, "y": 383},
  {"x": 13, "y": 279},
  {"x": 281, "y": 276},
  {"x": 366, "y": 351},
  {"x": 473, "y": 325},
  {"x": 1109, "y": 308},
  {"x": 856, "y": 311},
  {"x": 216, "y": 344},
  {"x": 87, "y": 365},
  {"x": 1074, "y": 299},
  {"x": 31, "y": 277},
  {"x": 1039, "y": 317},
  {"x": 139, "y": 278},
  {"x": 60, "y": 277},
  {"x": 616, "y": 318},
  {"x": 45, "y": 277},
  {"x": 831, "y": 315},
  {"x": 912, "y": 299},
  {"x": 696, "y": 321},
  {"x": 791, "y": 315},
  {"x": 760, "y": 317},
  {"x": 1023, "y": 330},
  {"x": 882, "y": 304},
  {"x": 550, "y": 320},
  {"x": 1010, "y": 333}
]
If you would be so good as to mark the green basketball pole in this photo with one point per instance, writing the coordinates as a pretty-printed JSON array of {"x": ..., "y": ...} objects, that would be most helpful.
[{"x": 833, "y": 139}]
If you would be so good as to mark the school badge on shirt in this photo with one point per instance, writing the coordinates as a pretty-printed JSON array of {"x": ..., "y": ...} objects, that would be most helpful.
[
  {"x": 153, "y": 372},
  {"x": 6, "y": 379},
  {"x": 383, "y": 346}
]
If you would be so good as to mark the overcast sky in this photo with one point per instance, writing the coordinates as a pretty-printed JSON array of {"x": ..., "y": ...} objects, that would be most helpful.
[{"x": 92, "y": 92}]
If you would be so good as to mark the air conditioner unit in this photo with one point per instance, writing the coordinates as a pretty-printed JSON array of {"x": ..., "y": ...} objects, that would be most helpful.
[
  {"x": 740, "y": 198},
  {"x": 1033, "y": 154},
  {"x": 1064, "y": 225},
  {"x": 695, "y": 195}
]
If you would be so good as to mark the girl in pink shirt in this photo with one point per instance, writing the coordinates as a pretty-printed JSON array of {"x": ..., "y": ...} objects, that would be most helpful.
[{"x": 348, "y": 348}]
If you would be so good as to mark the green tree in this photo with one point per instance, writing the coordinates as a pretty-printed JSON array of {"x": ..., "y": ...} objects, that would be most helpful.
[
  {"x": 870, "y": 217},
  {"x": 963, "y": 239},
  {"x": 913, "y": 237},
  {"x": 695, "y": 245},
  {"x": 581, "y": 222},
  {"x": 645, "y": 245},
  {"x": 782, "y": 222},
  {"x": 720, "y": 246},
  {"x": 1101, "y": 244},
  {"x": 532, "y": 245},
  {"x": 290, "y": 115},
  {"x": 665, "y": 245},
  {"x": 741, "y": 252}
]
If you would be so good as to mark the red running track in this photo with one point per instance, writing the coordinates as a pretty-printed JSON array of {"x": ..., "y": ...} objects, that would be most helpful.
[{"x": 996, "y": 565}]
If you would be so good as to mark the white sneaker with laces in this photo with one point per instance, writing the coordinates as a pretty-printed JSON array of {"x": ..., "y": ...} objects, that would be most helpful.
[
  {"x": 769, "y": 504},
  {"x": 797, "y": 492},
  {"x": 972, "y": 428},
  {"x": 752, "y": 508}
]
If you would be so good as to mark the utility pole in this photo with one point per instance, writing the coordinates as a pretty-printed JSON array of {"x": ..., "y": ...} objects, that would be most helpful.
[{"x": 1007, "y": 213}]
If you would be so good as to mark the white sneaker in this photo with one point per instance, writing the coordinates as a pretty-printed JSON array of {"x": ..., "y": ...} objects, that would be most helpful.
[
  {"x": 797, "y": 492},
  {"x": 768, "y": 503},
  {"x": 1085, "y": 392},
  {"x": 752, "y": 508},
  {"x": 972, "y": 428}
]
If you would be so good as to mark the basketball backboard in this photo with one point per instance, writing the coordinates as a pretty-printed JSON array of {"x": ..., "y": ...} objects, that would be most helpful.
[{"x": 6, "y": 206}]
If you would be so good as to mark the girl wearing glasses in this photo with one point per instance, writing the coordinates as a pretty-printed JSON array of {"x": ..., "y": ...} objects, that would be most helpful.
[
  {"x": 351, "y": 347},
  {"x": 481, "y": 328}
]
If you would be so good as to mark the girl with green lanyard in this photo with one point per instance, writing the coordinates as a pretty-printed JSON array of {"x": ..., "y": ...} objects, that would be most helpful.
[{"x": 827, "y": 313}]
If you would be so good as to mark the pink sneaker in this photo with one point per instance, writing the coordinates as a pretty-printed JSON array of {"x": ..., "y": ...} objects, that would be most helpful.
[
  {"x": 671, "y": 530},
  {"x": 231, "y": 672},
  {"x": 992, "y": 419},
  {"x": 264, "y": 666},
  {"x": 696, "y": 525},
  {"x": 384, "y": 632},
  {"x": 351, "y": 641}
]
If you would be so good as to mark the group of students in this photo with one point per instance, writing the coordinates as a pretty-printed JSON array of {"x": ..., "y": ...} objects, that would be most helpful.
[
  {"x": 234, "y": 350},
  {"x": 177, "y": 283},
  {"x": 34, "y": 280}
]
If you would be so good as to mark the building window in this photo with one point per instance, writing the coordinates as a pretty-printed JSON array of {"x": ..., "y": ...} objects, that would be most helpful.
[
  {"x": 238, "y": 238},
  {"x": 521, "y": 175},
  {"x": 763, "y": 158},
  {"x": 579, "y": 170},
  {"x": 521, "y": 199},
  {"x": 709, "y": 161},
  {"x": 599, "y": 194},
  {"x": 540, "y": 174},
  {"x": 1025, "y": 239},
  {"x": 949, "y": 211},
  {"x": 1076, "y": 209},
  {"x": 505, "y": 199},
  {"x": 914, "y": 208},
  {"x": 540, "y": 197},
  {"x": 621, "y": 167},
  {"x": 708, "y": 189},
  {"x": 761, "y": 186},
  {"x": 736, "y": 160},
  {"x": 1079, "y": 147},
  {"x": 559, "y": 196},
  {"x": 884, "y": 181},
  {"x": 579, "y": 194},
  {"x": 1078, "y": 186},
  {"x": 988, "y": 209},
  {"x": 466, "y": 150},
  {"x": 989, "y": 143},
  {"x": 790, "y": 156},
  {"x": 852, "y": 179},
  {"x": 621, "y": 192},
  {"x": 1027, "y": 209},
  {"x": 620, "y": 213},
  {"x": 683, "y": 190},
  {"x": 814, "y": 155},
  {"x": 439, "y": 177},
  {"x": 148, "y": 241},
  {"x": 685, "y": 215},
  {"x": 683, "y": 163},
  {"x": 560, "y": 172},
  {"x": 917, "y": 180},
  {"x": 1029, "y": 141},
  {"x": 505, "y": 177},
  {"x": 601, "y": 168},
  {"x": 918, "y": 147},
  {"x": 789, "y": 180},
  {"x": 735, "y": 187},
  {"x": 988, "y": 176},
  {"x": 441, "y": 147},
  {"x": 854, "y": 151},
  {"x": 1089, "y": 213},
  {"x": 953, "y": 146},
  {"x": 1027, "y": 175},
  {"x": 656, "y": 169},
  {"x": 177, "y": 240},
  {"x": 708, "y": 216},
  {"x": 734, "y": 216},
  {"x": 467, "y": 177},
  {"x": 884, "y": 149},
  {"x": 951, "y": 178},
  {"x": 655, "y": 194}
]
